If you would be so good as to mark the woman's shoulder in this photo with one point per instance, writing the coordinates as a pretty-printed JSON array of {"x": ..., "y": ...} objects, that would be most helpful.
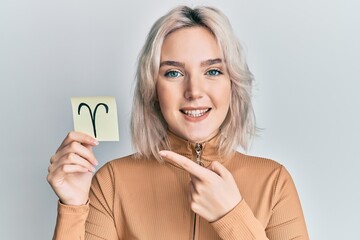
[
  {"x": 134, "y": 160},
  {"x": 122, "y": 172},
  {"x": 256, "y": 163},
  {"x": 127, "y": 164},
  {"x": 124, "y": 159},
  {"x": 260, "y": 171}
]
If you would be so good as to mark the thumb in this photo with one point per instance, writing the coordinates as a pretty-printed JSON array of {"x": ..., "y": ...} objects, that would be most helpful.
[{"x": 219, "y": 169}]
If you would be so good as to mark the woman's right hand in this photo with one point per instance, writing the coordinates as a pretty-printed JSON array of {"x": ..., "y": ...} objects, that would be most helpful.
[{"x": 72, "y": 167}]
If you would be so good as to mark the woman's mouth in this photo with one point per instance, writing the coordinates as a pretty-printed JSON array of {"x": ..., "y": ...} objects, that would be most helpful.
[{"x": 195, "y": 113}]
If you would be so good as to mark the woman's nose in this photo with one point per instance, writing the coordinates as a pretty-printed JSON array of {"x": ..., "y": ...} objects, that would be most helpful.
[{"x": 193, "y": 88}]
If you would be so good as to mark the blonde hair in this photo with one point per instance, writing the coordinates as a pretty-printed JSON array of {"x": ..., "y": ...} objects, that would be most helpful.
[{"x": 148, "y": 127}]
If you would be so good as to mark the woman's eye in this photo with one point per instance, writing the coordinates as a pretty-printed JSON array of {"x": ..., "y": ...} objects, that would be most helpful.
[
  {"x": 173, "y": 74},
  {"x": 213, "y": 72}
]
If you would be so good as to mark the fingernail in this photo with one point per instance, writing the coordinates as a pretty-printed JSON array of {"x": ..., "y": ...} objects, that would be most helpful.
[
  {"x": 162, "y": 154},
  {"x": 96, "y": 142}
]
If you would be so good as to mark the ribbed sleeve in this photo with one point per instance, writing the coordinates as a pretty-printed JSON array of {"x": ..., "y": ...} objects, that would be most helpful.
[
  {"x": 287, "y": 219},
  {"x": 239, "y": 223},
  {"x": 70, "y": 222},
  {"x": 100, "y": 222}
]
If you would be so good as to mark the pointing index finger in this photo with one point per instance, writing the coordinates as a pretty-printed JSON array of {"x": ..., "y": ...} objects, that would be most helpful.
[{"x": 188, "y": 165}]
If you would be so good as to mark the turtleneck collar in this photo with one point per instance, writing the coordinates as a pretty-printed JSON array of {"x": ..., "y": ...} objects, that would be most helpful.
[{"x": 209, "y": 149}]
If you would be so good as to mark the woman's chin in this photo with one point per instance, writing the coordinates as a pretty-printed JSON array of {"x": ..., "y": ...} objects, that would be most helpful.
[{"x": 198, "y": 136}]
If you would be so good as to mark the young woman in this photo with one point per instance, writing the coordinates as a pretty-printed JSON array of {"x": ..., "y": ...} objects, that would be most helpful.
[{"x": 192, "y": 108}]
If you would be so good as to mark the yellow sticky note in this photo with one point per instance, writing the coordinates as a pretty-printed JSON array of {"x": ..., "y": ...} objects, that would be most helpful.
[{"x": 96, "y": 116}]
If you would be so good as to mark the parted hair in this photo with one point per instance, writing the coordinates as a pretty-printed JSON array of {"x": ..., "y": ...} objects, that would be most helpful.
[{"x": 148, "y": 127}]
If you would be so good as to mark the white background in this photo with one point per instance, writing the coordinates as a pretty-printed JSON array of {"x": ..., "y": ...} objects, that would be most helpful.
[{"x": 304, "y": 55}]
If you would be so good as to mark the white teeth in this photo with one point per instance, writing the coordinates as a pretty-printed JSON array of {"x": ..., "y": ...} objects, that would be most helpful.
[{"x": 195, "y": 113}]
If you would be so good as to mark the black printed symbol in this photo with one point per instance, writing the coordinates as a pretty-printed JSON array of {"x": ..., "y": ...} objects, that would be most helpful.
[{"x": 91, "y": 114}]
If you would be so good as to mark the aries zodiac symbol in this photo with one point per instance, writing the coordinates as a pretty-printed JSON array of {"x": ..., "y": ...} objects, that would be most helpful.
[{"x": 91, "y": 114}]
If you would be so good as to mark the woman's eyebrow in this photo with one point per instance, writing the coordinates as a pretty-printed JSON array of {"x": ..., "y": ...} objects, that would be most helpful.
[
  {"x": 205, "y": 63},
  {"x": 210, "y": 62},
  {"x": 172, "y": 63}
]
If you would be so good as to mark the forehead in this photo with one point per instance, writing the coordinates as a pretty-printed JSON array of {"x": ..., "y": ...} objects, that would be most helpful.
[{"x": 191, "y": 44}]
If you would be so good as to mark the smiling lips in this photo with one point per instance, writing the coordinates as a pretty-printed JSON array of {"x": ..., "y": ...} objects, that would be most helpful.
[{"x": 195, "y": 114}]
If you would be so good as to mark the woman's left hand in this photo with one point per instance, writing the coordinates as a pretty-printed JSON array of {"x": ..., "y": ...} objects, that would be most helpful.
[{"x": 213, "y": 190}]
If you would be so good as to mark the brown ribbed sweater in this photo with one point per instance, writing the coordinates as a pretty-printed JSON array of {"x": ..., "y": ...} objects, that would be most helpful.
[{"x": 143, "y": 199}]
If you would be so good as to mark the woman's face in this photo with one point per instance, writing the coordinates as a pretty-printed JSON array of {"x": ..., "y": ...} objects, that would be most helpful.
[{"x": 193, "y": 86}]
